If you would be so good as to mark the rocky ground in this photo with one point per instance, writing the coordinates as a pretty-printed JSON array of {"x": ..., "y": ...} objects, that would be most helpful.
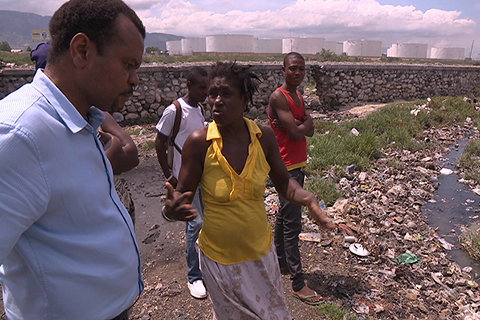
[{"x": 405, "y": 273}]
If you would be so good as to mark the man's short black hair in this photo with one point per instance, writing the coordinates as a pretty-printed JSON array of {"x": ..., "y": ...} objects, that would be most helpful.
[
  {"x": 292, "y": 55},
  {"x": 95, "y": 18},
  {"x": 195, "y": 73}
]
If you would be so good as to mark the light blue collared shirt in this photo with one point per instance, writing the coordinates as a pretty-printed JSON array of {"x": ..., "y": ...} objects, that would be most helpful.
[{"x": 67, "y": 245}]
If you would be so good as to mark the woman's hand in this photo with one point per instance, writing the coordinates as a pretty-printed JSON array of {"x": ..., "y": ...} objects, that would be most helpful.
[
  {"x": 319, "y": 216},
  {"x": 178, "y": 205},
  {"x": 317, "y": 213}
]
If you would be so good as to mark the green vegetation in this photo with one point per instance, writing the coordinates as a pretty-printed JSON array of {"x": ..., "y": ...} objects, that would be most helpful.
[
  {"x": 327, "y": 55},
  {"x": 151, "y": 50},
  {"x": 470, "y": 161},
  {"x": 17, "y": 58},
  {"x": 332, "y": 311},
  {"x": 148, "y": 145},
  {"x": 133, "y": 131},
  {"x": 471, "y": 243},
  {"x": 361, "y": 142},
  {"x": 323, "y": 56},
  {"x": 4, "y": 46}
]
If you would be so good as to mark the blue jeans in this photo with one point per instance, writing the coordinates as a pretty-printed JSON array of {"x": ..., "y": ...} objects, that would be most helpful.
[
  {"x": 192, "y": 229},
  {"x": 288, "y": 225}
]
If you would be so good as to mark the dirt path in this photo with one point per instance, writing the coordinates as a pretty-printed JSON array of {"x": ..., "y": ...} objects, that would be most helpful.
[
  {"x": 385, "y": 212},
  {"x": 162, "y": 248}
]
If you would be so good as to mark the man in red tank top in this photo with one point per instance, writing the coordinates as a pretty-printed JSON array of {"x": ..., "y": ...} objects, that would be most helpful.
[{"x": 291, "y": 123}]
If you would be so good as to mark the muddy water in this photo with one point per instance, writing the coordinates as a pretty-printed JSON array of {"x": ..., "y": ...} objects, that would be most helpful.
[{"x": 455, "y": 206}]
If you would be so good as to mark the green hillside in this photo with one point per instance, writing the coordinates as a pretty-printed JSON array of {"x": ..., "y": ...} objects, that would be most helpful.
[{"x": 15, "y": 29}]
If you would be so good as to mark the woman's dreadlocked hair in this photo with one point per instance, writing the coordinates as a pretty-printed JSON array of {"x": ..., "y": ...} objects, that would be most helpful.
[{"x": 238, "y": 75}]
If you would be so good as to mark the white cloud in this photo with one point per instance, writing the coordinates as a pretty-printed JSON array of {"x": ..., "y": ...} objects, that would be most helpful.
[
  {"x": 331, "y": 19},
  {"x": 335, "y": 20}
]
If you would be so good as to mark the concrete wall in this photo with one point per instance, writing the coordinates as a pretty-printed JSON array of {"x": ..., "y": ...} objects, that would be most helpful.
[
  {"x": 354, "y": 84},
  {"x": 336, "y": 83}
]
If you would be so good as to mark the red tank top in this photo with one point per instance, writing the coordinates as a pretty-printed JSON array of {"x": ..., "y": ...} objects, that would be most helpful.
[{"x": 294, "y": 153}]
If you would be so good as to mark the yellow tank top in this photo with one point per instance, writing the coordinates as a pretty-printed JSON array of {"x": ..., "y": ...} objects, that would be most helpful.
[{"x": 235, "y": 226}]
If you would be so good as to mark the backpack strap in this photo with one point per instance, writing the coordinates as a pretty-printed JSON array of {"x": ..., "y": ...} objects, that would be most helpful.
[{"x": 176, "y": 125}]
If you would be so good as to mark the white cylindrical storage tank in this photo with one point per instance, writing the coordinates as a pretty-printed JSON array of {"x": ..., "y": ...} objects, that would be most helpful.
[
  {"x": 408, "y": 50},
  {"x": 303, "y": 45},
  {"x": 335, "y": 47},
  {"x": 174, "y": 47},
  {"x": 235, "y": 43},
  {"x": 392, "y": 51},
  {"x": 447, "y": 53},
  {"x": 363, "y": 48},
  {"x": 191, "y": 45},
  {"x": 268, "y": 45}
]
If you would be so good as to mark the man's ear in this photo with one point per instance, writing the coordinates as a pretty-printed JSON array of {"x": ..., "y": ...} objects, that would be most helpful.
[
  {"x": 80, "y": 45},
  {"x": 283, "y": 69}
]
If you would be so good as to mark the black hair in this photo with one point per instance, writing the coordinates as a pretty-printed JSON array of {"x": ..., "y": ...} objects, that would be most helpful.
[
  {"x": 238, "y": 75},
  {"x": 96, "y": 18},
  {"x": 195, "y": 73},
  {"x": 292, "y": 55}
]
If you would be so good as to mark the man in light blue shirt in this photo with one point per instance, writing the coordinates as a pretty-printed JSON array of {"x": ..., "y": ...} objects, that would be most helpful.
[{"x": 67, "y": 245}]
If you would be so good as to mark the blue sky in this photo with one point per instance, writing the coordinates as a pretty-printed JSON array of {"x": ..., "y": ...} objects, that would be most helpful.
[{"x": 439, "y": 23}]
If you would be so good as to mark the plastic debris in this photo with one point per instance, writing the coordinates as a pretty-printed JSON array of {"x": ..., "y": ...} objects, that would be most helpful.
[
  {"x": 358, "y": 249},
  {"x": 444, "y": 243},
  {"x": 446, "y": 171},
  {"x": 350, "y": 168},
  {"x": 406, "y": 258}
]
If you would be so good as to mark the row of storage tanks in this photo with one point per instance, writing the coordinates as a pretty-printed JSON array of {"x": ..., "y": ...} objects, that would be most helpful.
[{"x": 241, "y": 43}]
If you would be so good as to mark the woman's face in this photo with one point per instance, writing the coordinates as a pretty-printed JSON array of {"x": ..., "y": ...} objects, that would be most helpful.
[{"x": 226, "y": 101}]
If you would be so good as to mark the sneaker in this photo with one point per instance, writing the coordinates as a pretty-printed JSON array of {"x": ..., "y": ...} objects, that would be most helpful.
[{"x": 197, "y": 289}]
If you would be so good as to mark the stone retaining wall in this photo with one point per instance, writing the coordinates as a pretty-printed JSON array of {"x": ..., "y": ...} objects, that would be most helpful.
[
  {"x": 336, "y": 83},
  {"x": 350, "y": 84}
]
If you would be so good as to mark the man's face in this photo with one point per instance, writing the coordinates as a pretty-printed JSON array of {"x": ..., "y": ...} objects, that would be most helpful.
[
  {"x": 294, "y": 71},
  {"x": 113, "y": 75},
  {"x": 198, "y": 89}
]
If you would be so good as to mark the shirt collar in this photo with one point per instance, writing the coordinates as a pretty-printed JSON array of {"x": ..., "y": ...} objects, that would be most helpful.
[
  {"x": 64, "y": 108},
  {"x": 214, "y": 133}
]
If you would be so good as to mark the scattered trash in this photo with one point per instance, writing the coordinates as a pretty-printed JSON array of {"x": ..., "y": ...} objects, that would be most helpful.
[
  {"x": 357, "y": 248},
  {"x": 321, "y": 204},
  {"x": 444, "y": 243},
  {"x": 476, "y": 191},
  {"x": 310, "y": 237},
  {"x": 446, "y": 171},
  {"x": 350, "y": 168},
  {"x": 406, "y": 258},
  {"x": 362, "y": 309},
  {"x": 354, "y": 132},
  {"x": 350, "y": 239}
]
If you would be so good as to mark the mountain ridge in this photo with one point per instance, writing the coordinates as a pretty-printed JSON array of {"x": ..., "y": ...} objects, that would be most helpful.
[{"x": 15, "y": 28}]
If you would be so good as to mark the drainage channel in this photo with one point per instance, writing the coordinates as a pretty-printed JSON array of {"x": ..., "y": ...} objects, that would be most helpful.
[{"x": 454, "y": 206}]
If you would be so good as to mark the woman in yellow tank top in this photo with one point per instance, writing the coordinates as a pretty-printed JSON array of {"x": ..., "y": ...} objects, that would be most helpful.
[{"x": 231, "y": 159}]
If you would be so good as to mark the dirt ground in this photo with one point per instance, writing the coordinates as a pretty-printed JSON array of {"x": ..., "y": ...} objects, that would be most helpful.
[
  {"x": 336, "y": 274},
  {"x": 162, "y": 247},
  {"x": 331, "y": 269}
]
